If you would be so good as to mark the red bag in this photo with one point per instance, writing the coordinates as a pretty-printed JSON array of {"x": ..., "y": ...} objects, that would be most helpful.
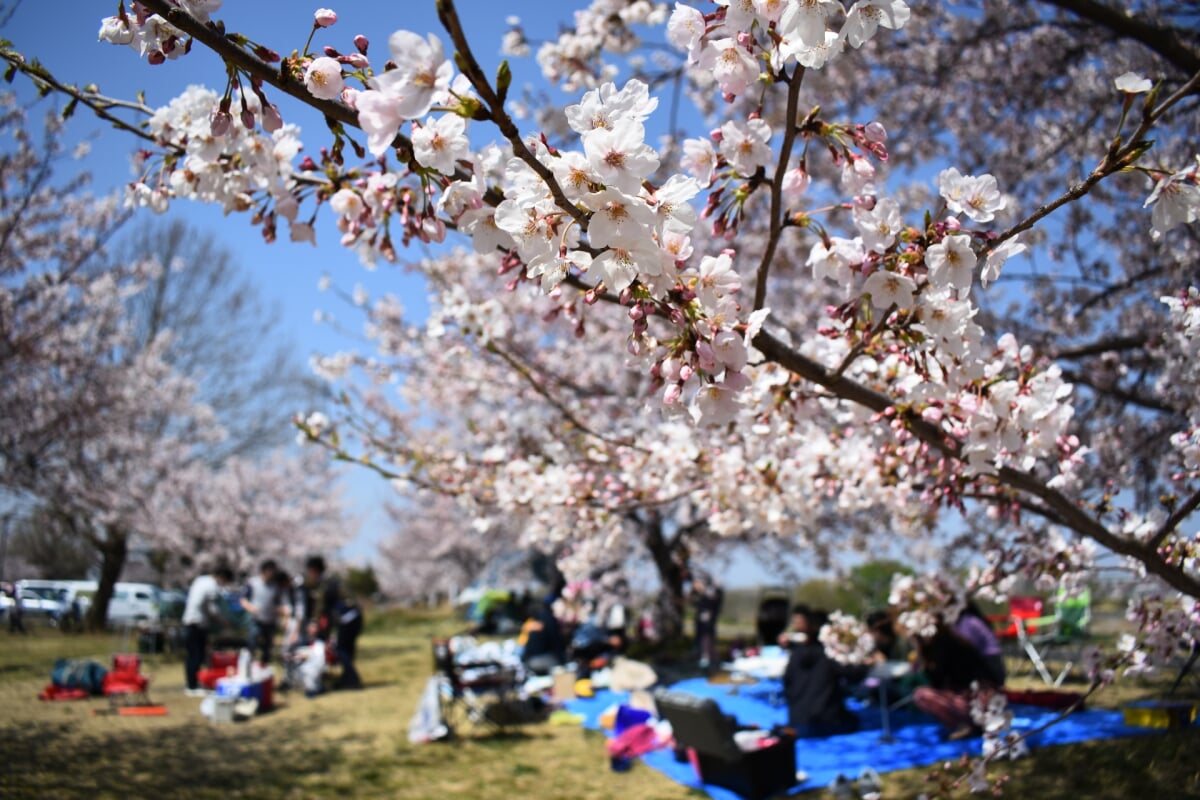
[{"x": 52, "y": 692}]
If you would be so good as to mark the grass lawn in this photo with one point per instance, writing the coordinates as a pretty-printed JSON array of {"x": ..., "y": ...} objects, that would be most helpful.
[{"x": 354, "y": 744}]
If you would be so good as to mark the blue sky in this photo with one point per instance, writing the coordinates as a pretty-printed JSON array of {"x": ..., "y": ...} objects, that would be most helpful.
[{"x": 287, "y": 273}]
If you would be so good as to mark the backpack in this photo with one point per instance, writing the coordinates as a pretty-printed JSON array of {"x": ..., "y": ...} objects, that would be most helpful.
[{"x": 79, "y": 673}]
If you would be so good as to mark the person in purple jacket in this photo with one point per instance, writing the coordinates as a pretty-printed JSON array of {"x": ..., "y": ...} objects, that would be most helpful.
[{"x": 974, "y": 627}]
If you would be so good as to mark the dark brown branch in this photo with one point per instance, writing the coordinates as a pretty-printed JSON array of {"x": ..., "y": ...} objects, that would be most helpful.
[
  {"x": 1162, "y": 40},
  {"x": 1117, "y": 159},
  {"x": 231, "y": 53},
  {"x": 1066, "y": 509},
  {"x": 98, "y": 104},
  {"x": 1101, "y": 347},
  {"x": 1177, "y": 516},
  {"x": 470, "y": 68},
  {"x": 785, "y": 156},
  {"x": 1117, "y": 393}
]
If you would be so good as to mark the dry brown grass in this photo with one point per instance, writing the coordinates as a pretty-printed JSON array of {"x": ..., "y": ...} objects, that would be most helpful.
[{"x": 354, "y": 744}]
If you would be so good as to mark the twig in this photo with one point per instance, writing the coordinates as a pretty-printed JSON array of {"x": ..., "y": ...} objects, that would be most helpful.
[
  {"x": 785, "y": 157},
  {"x": 470, "y": 68},
  {"x": 1114, "y": 161},
  {"x": 98, "y": 104}
]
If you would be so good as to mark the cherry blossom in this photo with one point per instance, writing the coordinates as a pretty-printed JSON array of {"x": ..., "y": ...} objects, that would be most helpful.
[
  {"x": 324, "y": 78},
  {"x": 441, "y": 143},
  {"x": 1012, "y": 403}
]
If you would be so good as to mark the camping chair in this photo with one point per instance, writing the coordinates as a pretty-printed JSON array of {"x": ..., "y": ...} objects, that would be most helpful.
[
  {"x": 485, "y": 694},
  {"x": 701, "y": 728},
  {"x": 1025, "y": 609},
  {"x": 125, "y": 684},
  {"x": 1061, "y": 634}
]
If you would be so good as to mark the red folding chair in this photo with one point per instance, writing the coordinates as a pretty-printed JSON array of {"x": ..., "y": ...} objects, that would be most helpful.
[
  {"x": 1024, "y": 609},
  {"x": 125, "y": 684}
]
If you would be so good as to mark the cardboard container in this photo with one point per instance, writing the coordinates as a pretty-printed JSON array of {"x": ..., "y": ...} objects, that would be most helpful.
[{"x": 564, "y": 685}]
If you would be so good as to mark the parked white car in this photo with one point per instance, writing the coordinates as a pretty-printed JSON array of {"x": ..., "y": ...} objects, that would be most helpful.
[{"x": 134, "y": 602}]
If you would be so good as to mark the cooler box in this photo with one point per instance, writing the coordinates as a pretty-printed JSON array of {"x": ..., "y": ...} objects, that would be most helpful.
[
  {"x": 262, "y": 691},
  {"x": 224, "y": 659}
]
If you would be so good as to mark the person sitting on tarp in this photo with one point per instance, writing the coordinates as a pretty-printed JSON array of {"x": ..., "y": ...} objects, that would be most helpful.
[
  {"x": 794, "y": 633},
  {"x": 974, "y": 627},
  {"x": 952, "y": 665},
  {"x": 814, "y": 685},
  {"x": 543, "y": 645}
]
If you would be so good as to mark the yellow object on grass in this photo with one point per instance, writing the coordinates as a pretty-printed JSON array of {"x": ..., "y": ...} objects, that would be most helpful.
[{"x": 608, "y": 718}]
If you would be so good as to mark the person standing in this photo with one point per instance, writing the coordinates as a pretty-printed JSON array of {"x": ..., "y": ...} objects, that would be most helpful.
[
  {"x": 200, "y": 613},
  {"x": 708, "y": 598},
  {"x": 260, "y": 599},
  {"x": 334, "y": 618},
  {"x": 16, "y": 614}
]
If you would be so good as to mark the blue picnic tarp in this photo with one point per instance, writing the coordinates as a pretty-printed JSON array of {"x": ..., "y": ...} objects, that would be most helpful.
[{"x": 917, "y": 740}]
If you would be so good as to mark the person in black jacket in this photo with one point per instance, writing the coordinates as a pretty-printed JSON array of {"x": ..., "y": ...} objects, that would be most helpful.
[{"x": 815, "y": 685}]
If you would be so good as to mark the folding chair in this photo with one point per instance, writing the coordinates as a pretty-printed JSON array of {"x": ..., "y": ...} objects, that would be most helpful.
[
  {"x": 125, "y": 685},
  {"x": 485, "y": 694},
  {"x": 1025, "y": 609},
  {"x": 1044, "y": 638}
]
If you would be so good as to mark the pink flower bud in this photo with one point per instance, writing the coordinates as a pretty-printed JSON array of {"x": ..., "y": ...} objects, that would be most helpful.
[
  {"x": 219, "y": 122},
  {"x": 332, "y": 52},
  {"x": 434, "y": 229},
  {"x": 875, "y": 132},
  {"x": 361, "y": 43},
  {"x": 272, "y": 120},
  {"x": 716, "y": 135},
  {"x": 324, "y": 17},
  {"x": 356, "y": 60},
  {"x": 672, "y": 393},
  {"x": 247, "y": 119}
]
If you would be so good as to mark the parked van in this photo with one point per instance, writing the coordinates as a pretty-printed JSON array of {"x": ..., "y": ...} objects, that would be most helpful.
[
  {"x": 134, "y": 602},
  {"x": 131, "y": 602}
]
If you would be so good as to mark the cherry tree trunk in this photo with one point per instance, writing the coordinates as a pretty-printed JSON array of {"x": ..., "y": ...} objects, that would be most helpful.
[
  {"x": 113, "y": 550},
  {"x": 671, "y": 563}
]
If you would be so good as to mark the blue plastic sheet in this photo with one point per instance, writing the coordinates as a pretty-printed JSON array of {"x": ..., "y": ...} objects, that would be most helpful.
[{"x": 917, "y": 739}]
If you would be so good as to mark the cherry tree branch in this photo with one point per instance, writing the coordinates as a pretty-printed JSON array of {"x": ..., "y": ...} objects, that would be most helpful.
[
  {"x": 785, "y": 157},
  {"x": 1117, "y": 393},
  {"x": 1172, "y": 522},
  {"x": 474, "y": 73},
  {"x": 1162, "y": 40},
  {"x": 525, "y": 372},
  {"x": 1068, "y": 510},
  {"x": 97, "y": 103},
  {"x": 219, "y": 42},
  {"x": 1100, "y": 347},
  {"x": 1117, "y": 159}
]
